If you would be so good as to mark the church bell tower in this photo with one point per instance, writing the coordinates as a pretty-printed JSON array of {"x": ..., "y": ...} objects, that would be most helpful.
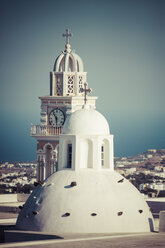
[{"x": 67, "y": 82}]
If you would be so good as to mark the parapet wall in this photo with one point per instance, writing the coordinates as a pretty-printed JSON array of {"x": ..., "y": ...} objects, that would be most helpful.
[
  {"x": 22, "y": 197},
  {"x": 6, "y": 198}
]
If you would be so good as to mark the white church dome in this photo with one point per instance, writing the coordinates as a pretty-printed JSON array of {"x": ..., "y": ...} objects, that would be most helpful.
[
  {"x": 86, "y": 121},
  {"x": 68, "y": 61},
  {"x": 85, "y": 201}
]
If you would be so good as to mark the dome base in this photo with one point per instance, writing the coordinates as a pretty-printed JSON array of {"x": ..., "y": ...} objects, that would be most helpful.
[{"x": 86, "y": 201}]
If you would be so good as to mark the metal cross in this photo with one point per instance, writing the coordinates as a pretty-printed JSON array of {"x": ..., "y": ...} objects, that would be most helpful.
[
  {"x": 67, "y": 35},
  {"x": 85, "y": 90}
]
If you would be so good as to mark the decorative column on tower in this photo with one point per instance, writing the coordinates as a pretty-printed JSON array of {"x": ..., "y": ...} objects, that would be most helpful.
[{"x": 66, "y": 96}]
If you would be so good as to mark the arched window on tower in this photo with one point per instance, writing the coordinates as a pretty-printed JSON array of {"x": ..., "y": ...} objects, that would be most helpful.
[
  {"x": 86, "y": 153},
  {"x": 69, "y": 156},
  {"x": 104, "y": 150},
  {"x": 102, "y": 155},
  {"x": 48, "y": 160}
]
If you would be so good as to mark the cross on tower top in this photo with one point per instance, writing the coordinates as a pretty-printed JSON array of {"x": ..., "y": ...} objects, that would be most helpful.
[
  {"x": 86, "y": 91},
  {"x": 67, "y": 35}
]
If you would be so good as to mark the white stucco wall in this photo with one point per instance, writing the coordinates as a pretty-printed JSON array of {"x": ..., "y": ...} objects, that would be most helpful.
[{"x": 86, "y": 151}]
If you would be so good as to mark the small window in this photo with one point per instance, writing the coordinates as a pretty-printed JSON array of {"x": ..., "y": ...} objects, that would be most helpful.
[
  {"x": 102, "y": 155},
  {"x": 69, "y": 162}
]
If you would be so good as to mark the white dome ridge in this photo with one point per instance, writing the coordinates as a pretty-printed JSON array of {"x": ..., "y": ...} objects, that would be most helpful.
[{"x": 86, "y": 121}]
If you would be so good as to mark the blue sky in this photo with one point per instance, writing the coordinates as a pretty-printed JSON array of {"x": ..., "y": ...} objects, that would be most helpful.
[{"x": 121, "y": 43}]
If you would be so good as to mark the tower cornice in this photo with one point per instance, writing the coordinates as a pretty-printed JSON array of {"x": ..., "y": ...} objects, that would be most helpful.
[{"x": 66, "y": 97}]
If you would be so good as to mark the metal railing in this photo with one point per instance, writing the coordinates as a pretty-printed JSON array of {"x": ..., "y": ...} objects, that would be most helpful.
[{"x": 45, "y": 130}]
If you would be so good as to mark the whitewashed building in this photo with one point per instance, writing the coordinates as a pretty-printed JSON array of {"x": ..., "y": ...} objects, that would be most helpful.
[{"x": 85, "y": 194}]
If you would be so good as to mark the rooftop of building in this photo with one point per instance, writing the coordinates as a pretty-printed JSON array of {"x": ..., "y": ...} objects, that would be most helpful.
[{"x": 17, "y": 238}]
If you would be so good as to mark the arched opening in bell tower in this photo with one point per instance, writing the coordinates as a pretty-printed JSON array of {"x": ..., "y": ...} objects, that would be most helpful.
[
  {"x": 56, "y": 158},
  {"x": 48, "y": 160},
  {"x": 67, "y": 154},
  {"x": 105, "y": 154},
  {"x": 86, "y": 154}
]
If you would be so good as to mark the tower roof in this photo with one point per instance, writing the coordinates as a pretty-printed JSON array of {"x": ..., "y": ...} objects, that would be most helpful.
[{"x": 68, "y": 60}]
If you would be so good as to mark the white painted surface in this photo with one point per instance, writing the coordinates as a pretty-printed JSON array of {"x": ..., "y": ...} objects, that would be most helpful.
[
  {"x": 96, "y": 192},
  {"x": 102, "y": 200},
  {"x": 87, "y": 131},
  {"x": 5, "y": 198},
  {"x": 86, "y": 152},
  {"x": 8, "y": 221},
  {"x": 8, "y": 198},
  {"x": 157, "y": 199},
  {"x": 86, "y": 122},
  {"x": 13, "y": 198}
]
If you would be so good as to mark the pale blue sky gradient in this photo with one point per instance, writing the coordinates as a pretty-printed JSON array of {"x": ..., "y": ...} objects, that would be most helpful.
[{"x": 121, "y": 43}]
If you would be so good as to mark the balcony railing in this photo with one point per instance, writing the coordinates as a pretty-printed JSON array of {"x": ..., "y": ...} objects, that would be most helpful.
[{"x": 45, "y": 130}]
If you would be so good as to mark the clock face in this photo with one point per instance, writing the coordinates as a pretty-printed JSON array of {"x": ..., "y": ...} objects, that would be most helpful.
[{"x": 56, "y": 118}]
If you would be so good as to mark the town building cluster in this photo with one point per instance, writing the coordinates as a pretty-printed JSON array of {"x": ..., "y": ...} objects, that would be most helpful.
[
  {"x": 146, "y": 171},
  {"x": 17, "y": 177}
]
